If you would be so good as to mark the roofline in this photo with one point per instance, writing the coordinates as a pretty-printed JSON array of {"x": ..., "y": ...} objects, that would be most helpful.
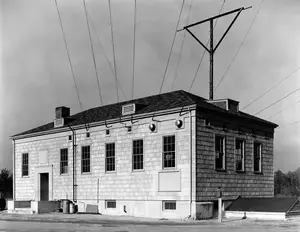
[{"x": 106, "y": 122}]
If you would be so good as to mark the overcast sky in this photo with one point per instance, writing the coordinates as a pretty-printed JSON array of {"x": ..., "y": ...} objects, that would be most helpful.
[{"x": 35, "y": 76}]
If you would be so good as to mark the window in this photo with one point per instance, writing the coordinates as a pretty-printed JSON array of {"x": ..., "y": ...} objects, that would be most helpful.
[
  {"x": 137, "y": 154},
  {"x": 64, "y": 161},
  {"x": 85, "y": 159},
  {"x": 169, "y": 151},
  {"x": 239, "y": 155},
  {"x": 110, "y": 204},
  {"x": 169, "y": 205},
  {"x": 70, "y": 137},
  {"x": 257, "y": 157},
  {"x": 25, "y": 164},
  {"x": 110, "y": 157},
  {"x": 220, "y": 152},
  {"x": 129, "y": 129},
  {"x": 87, "y": 134},
  {"x": 107, "y": 132}
]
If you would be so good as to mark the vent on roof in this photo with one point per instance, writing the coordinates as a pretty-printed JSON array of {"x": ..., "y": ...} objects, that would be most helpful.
[
  {"x": 226, "y": 104},
  {"x": 59, "y": 122},
  {"x": 128, "y": 109}
]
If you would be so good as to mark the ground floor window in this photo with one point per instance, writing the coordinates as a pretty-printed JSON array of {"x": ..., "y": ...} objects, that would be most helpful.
[
  {"x": 25, "y": 164},
  {"x": 257, "y": 157},
  {"x": 169, "y": 205},
  {"x": 110, "y": 204}
]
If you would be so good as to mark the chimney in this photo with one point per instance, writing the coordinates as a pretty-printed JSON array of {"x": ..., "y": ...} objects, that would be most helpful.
[
  {"x": 60, "y": 114},
  {"x": 226, "y": 104}
]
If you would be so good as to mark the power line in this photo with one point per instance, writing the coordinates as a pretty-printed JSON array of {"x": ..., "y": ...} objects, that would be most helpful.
[
  {"x": 242, "y": 43},
  {"x": 105, "y": 55},
  {"x": 133, "y": 55},
  {"x": 283, "y": 110},
  {"x": 166, "y": 69},
  {"x": 277, "y": 101},
  {"x": 68, "y": 53},
  {"x": 181, "y": 48},
  {"x": 204, "y": 52},
  {"x": 113, "y": 47},
  {"x": 268, "y": 90},
  {"x": 93, "y": 53}
]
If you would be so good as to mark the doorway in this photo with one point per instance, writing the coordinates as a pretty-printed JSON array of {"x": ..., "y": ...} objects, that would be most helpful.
[{"x": 44, "y": 186}]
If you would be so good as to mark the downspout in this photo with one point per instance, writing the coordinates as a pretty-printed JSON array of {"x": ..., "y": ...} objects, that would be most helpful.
[
  {"x": 191, "y": 162},
  {"x": 74, "y": 150},
  {"x": 14, "y": 176}
]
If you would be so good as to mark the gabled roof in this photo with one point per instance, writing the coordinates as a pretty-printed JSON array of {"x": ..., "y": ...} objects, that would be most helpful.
[{"x": 150, "y": 104}]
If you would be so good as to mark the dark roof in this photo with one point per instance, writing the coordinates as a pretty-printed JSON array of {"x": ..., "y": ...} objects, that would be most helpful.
[
  {"x": 263, "y": 204},
  {"x": 148, "y": 104}
]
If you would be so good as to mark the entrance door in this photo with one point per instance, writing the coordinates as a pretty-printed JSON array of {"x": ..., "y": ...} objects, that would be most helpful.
[{"x": 44, "y": 187}]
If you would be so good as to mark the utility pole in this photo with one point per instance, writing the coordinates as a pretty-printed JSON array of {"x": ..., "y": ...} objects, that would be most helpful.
[{"x": 211, "y": 50}]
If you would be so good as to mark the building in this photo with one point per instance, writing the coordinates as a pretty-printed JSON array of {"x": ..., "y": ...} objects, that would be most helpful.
[{"x": 157, "y": 156}]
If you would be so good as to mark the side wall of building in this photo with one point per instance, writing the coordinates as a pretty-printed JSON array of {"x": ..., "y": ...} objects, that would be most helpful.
[
  {"x": 141, "y": 192},
  {"x": 232, "y": 183}
]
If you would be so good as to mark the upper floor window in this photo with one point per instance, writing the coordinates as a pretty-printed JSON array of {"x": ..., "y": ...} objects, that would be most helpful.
[
  {"x": 220, "y": 152},
  {"x": 137, "y": 154},
  {"x": 239, "y": 155},
  {"x": 63, "y": 160},
  {"x": 257, "y": 157},
  {"x": 25, "y": 164},
  {"x": 110, "y": 157},
  {"x": 169, "y": 151},
  {"x": 85, "y": 159}
]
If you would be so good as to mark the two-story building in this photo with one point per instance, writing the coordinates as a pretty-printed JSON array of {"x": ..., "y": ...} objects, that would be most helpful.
[{"x": 157, "y": 156}]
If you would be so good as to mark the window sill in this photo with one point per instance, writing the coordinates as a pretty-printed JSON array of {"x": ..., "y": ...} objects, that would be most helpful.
[
  {"x": 220, "y": 170},
  {"x": 64, "y": 174},
  {"x": 25, "y": 176},
  {"x": 110, "y": 172},
  {"x": 169, "y": 170},
  {"x": 258, "y": 173},
  {"x": 138, "y": 170},
  {"x": 86, "y": 173},
  {"x": 240, "y": 171}
]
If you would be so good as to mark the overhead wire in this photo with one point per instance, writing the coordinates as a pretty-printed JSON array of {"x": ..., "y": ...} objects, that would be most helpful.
[
  {"x": 296, "y": 90},
  {"x": 104, "y": 53},
  {"x": 93, "y": 52},
  {"x": 181, "y": 47},
  {"x": 204, "y": 52},
  {"x": 133, "y": 55},
  {"x": 283, "y": 110},
  {"x": 68, "y": 54},
  {"x": 113, "y": 47},
  {"x": 171, "y": 49},
  {"x": 268, "y": 90},
  {"x": 240, "y": 46}
]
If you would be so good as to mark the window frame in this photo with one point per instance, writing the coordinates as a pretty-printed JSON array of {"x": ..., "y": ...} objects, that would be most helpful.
[
  {"x": 114, "y": 157},
  {"x": 170, "y": 202},
  {"x": 224, "y": 152},
  {"x": 260, "y": 157},
  {"x": 133, "y": 155},
  {"x": 110, "y": 201},
  {"x": 163, "y": 152},
  {"x": 89, "y": 160},
  {"x": 243, "y": 154},
  {"x": 61, "y": 161},
  {"x": 22, "y": 173}
]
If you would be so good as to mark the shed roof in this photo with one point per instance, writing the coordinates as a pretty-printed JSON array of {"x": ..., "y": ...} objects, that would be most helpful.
[{"x": 150, "y": 104}]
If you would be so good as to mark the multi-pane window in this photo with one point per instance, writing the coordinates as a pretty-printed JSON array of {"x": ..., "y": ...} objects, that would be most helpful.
[
  {"x": 169, "y": 205},
  {"x": 110, "y": 157},
  {"x": 25, "y": 164},
  {"x": 257, "y": 157},
  {"x": 85, "y": 159},
  {"x": 63, "y": 160},
  {"x": 111, "y": 204},
  {"x": 137, "y": 154},
  {"x": 169, "y": 151},
  {"x": 239, "y": 155},
  {"x": 220, "y": 152}
]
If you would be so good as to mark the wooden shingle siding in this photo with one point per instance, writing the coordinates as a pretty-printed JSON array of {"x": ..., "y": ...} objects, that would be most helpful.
[{"x": 232, "y": 183}]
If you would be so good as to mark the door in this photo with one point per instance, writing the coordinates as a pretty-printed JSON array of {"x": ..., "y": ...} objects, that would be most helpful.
[{"x": 44, "y": 187}]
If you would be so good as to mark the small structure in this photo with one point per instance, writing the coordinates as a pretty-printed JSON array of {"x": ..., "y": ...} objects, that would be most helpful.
[
  {"x": 160, "y": 156},
  {"x": 264, "y": 208}
]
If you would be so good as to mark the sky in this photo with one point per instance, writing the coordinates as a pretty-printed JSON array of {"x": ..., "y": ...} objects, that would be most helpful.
[{"x": 35, "y": 76}]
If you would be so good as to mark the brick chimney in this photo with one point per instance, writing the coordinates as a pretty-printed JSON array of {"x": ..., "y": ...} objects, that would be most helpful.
[{"x": 60, "y": 114}]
